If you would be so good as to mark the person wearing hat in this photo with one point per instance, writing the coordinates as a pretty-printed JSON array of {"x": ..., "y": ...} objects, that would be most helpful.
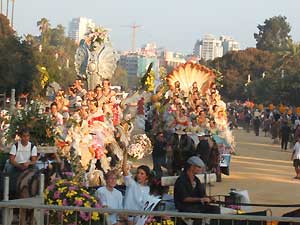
[{"x": 189, "y": 193}]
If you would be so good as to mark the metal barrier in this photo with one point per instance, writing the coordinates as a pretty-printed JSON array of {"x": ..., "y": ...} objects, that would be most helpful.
[
  {"x": 161, "y": 216},
  {"x": 42, "y": 214}
]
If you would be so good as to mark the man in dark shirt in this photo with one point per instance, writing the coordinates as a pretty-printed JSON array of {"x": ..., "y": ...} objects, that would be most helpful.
[
  {"x": 159, "y": 153},
  {"x": 285, "y": 131},
  {"x": 189, "y": 193}
]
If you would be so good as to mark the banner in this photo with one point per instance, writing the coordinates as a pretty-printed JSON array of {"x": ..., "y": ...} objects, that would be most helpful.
[
  {"x": 225, "y": 160},
  {"x": 150, "y": 203}
]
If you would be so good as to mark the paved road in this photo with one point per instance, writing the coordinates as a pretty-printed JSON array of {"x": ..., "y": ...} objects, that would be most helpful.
[{"x": 264, "y": 170}]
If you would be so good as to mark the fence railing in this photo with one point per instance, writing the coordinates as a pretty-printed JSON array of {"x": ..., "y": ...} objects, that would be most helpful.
[{"x": 176, "y": 217}]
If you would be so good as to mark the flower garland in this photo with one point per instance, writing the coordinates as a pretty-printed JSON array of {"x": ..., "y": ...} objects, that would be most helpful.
[
  {"x": 71, "y": 193},
  {"x": 140, "y": 146}
]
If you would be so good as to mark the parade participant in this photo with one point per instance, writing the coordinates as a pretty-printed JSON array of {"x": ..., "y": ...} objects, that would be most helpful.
[
  {"x": 137, "y": 189},
  {"x": 110, "y": 197},
  {"x": 285, "y": 131},
  {"x": 56, "y": 117},
  {"x": 296, "y": 159},
  {"x": 256, "y": 125},
  {"x": 189, "y": 193},
  {"x": 22, "y": 155},
  {"x": 107, "y": 92},
  {"x": 159, "y": 153},
  {"x": 78, "y": 85}
]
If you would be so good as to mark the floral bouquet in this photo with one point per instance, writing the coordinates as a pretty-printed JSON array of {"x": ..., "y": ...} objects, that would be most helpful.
[
  {"x": 42, "y": 130},
  {"x": 159, "y": 221},
  {"x": 71, "y": 193},
  {"x": 140, "y": 146}
]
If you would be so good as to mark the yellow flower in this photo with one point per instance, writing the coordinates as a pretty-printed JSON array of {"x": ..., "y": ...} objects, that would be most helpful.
[
  {"x": 59, "y": 201},
  {"x": 95, "y": 216},
  {"x": 87, "y": 204},
  {"x": 69, "y": 212}
]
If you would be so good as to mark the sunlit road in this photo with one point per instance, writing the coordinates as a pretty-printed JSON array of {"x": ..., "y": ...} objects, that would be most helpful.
[{"x": 264, "y": 170}]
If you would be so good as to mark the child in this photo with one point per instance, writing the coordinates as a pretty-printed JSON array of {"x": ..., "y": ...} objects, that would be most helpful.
[
  {"x": 110, "y": 197},
  {"x": 296, "y": 158},
  {"x": 137, "y": 189}
]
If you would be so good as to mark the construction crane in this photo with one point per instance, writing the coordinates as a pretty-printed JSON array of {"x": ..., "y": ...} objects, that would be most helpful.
[{"x": 134, "y": 28}]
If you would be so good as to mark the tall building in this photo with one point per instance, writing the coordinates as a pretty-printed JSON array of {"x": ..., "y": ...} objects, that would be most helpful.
[
  {"x": 78, "y": 27},
  {"x": 210, "y": 47},
  {"x": 170, "y": 59},
  {"x": 136, "y": 65},
  {"x": 229, "y": 44}
]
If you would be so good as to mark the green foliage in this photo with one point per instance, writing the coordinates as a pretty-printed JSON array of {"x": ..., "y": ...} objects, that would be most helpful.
[
  {"x": 120, "y": 77},
  {"x": 5, "y": 28},
  {"x": 236, "y": 66},
  {"x": 40, "y": 125},
  {"x": 273, "y": 35},
  {"x": 17, "y": 63}
]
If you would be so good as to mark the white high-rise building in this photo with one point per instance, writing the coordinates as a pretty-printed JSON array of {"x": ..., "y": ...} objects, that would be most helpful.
[
  {"x": 229, "y": 44},
  {"x": 79, "y": 26},
  {"x": 210, "y": 47}
]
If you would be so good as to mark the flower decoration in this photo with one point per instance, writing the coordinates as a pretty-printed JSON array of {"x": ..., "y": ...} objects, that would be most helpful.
[
  {"x": 96, "y": 35},
  {"x": 41, "y": 127},
  {"x": 71, "y": 193},
  {"x": 140, "y": 146}
]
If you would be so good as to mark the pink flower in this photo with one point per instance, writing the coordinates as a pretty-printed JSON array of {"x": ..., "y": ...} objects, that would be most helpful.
[
  {"x": 78, "y": 202},
  {"x": 86, "y": 195},
  {"x": 97, "y": 205},
  {"x": 51, "y": 187},
  {"x": 72, "y": 188},
  {"x": 57, "y": 195},
  {"x": 85, "y": 216},
  {"x": 65, "y": 202}
]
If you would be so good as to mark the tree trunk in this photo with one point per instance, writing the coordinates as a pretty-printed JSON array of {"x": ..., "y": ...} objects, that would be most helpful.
[
  {"x": 7, "y": 6},
  {"x": 12, "y": 13}
]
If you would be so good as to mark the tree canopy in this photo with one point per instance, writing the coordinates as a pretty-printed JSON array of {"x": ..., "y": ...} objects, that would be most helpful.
[{"x": 273, "y": 35}]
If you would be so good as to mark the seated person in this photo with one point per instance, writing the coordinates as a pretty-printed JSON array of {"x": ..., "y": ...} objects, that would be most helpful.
[
  {"x": 110, "y": 197},
  {"x": 189, "y": 193},
  {"x": 22, "y": 155}
]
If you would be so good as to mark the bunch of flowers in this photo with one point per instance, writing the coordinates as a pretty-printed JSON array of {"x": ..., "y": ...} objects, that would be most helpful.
[
  {"x": 147, "y": 81},
  {"x": 98, "y": 34},
  {"x": 71, "y": 193},
  {"x": 140, "y": 146},
  {"x": 33, "y": 117},
  {"x": 163, "y": 221}
]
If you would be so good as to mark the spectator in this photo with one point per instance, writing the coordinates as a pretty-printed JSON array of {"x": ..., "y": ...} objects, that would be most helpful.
[{"x": 110, "y": 197}]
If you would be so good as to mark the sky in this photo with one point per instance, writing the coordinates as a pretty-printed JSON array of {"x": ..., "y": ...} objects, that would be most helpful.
[{"x": 173, "y": 24}]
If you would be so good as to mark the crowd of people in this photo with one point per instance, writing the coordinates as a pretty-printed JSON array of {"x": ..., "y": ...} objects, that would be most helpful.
[{"x": 282, "y": 127}]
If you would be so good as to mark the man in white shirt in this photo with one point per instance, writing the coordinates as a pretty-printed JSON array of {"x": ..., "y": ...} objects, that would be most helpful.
[
  {"x": 296, "y": 159},
  {"x": 110, "y": 197},
  {"x": 23, "y": 154}
]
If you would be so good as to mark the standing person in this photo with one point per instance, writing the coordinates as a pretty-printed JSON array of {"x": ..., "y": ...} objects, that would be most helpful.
[
  {"x": 248, "y": 118},
  {"x": 285, "y": 131},
  {"x": 296, "y": 159},
  {"x": 110, "y": 197},
  {"x": 256, "y": 125},
  {"x": 189, "y": 193},
  {"x": 137, "y": 189},
  {"x": 159, "y": 154}
]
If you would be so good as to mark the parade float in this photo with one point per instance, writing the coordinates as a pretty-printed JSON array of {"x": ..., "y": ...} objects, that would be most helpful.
[{"x": 93, "y": 134}]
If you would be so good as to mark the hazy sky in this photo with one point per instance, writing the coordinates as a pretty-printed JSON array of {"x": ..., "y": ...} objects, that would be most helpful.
[{"x": 174, "y": 24}]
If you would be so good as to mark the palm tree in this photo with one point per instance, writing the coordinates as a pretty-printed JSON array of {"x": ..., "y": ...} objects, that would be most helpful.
[
  {"x": 44, "y": 27},
  {"x": 7, "y": 6},
  {"x": 1, "y": 4},
  {"x": 12, "y": 13}
]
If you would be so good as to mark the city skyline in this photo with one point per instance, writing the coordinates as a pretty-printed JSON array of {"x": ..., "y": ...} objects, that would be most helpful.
[{"x": 169, "y": 23}]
